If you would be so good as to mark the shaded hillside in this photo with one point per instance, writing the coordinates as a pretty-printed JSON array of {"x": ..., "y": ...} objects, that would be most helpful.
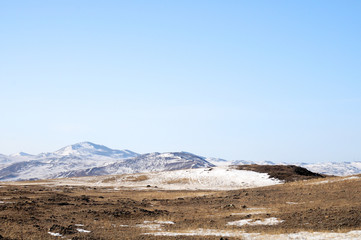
[
  {"x": 150, "y": 162},
  {"x": 288, "y": 173}
]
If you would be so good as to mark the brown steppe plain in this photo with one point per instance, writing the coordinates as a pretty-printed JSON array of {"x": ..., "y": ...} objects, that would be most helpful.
[{"x": 30, "y": 210}]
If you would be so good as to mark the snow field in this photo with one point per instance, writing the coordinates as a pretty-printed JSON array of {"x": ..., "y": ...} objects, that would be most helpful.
[
  {"x": 352, "y": 235},
  {"x": 266, "y": 221},
  {"x": 216, "y": 178}
]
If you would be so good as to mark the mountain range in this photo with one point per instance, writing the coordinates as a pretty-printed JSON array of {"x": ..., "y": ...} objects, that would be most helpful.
[{"x": 89, "y": 159}]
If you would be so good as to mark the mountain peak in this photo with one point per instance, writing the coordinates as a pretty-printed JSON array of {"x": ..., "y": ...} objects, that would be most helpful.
[
  {"x": 89, "y": 149},
  {"x": 20, "y": 154},
  {"x": 82, "y": 148},
  {"x": 86, "y": 145}
]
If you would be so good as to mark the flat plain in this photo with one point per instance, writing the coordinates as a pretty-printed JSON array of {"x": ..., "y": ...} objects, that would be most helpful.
[{"x": 316, "y": 205}]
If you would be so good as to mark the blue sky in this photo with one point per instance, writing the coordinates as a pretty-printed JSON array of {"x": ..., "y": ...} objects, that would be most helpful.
[{"x": 254, "y": 80}]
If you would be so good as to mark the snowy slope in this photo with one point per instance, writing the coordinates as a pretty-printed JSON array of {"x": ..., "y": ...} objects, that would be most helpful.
[
  {"x": 79, "y": 156},
  {"x": 17, "y": 157},
  {"x": 21, "y": 155},
  {"x": 91, "y": 149},
  {"x": 215, "y": 178},
  {"x": 218, "y": 161},
  {"x": 4, "y": 159},
  {"x": 145, "y": 163},
  {"x": 89, "y": 159},
  {"x": 88, "y": 150},
  {"x": 223, "y": 162}
]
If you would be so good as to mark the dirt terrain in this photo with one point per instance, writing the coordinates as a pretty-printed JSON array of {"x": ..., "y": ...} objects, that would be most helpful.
[
  {"x": 288, "y": 173},
  {"x": 38, "y": 211}
]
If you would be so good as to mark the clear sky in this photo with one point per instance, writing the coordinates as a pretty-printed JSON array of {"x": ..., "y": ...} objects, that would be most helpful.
[{"x": 253, "y": 80}]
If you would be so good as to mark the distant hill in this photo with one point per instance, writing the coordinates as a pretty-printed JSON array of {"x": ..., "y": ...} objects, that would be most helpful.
[
  {"x": 329, "y": 168},
  {"x": 88, "y": 159}
]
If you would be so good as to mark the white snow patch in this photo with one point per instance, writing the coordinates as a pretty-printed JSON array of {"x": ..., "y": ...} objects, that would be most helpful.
[
  {"x": 205, "y": 178},
  {"x": 266, "y": 221},
  {"x": 79, "y": 225},
  {"x": 352, "y": 177},
  {"x": 150, "y": 226},
  {"x": 154, "y": 225},
  {"x": 352, "y": 235},
  {"x": 198, "y": 232},
  {"x": 82, "y": 230},
  {"x": 55, "y": 234},
  {"x": 168, "y": 155},
  {"x": 336, "y": 180},
  {"x": 164, "y": 222}
]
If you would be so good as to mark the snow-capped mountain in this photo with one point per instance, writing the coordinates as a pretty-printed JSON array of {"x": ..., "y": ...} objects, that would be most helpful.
[
  {"x": 223, "y": 162},
  {"x": 16, "y": 157},
  {"x": 88, "y": 150},
  {"x": 4, "y": 159},
  {"x": 73, "y": 157},
  {"x": 218, "y": 161},
  {"x": 149, "y": 162},
  {"x": 21, "y": 154},
  {"x": 334, "y": 168},
  {"x": 86, "y": 159}
]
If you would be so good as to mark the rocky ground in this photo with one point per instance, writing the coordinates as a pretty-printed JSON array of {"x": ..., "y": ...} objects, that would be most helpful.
[{"x": 31, "y": 210}]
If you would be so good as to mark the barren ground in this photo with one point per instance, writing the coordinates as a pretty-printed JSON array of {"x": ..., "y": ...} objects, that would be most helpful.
[{"x": 31, "y": 211}]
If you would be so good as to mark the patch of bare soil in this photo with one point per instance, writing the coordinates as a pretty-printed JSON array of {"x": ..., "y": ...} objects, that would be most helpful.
[
  {"x": 288, "y": 173},
  {"x": 76, "y": 212}
]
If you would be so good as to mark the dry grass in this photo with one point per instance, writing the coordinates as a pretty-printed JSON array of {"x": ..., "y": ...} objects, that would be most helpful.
[
  {"x": 288, "y": 173},
  {"x": 178, "y": 181},
  {"x": 136, "y": 178},
  {"x": 304, "y": 206},
  {"x": 110, "y": 179}
]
